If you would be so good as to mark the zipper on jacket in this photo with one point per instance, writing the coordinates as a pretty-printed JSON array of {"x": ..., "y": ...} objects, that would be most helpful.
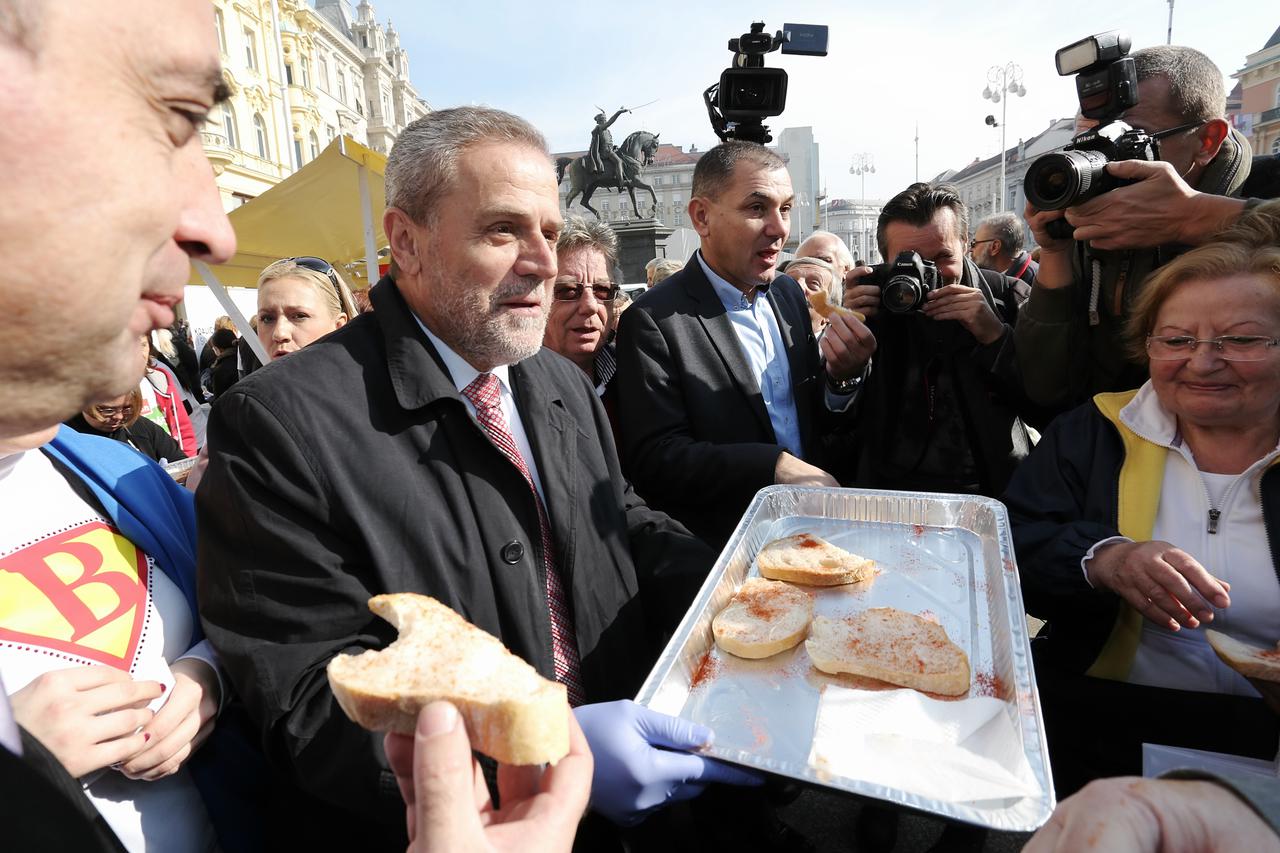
[{"x": 1214, "y": 515}]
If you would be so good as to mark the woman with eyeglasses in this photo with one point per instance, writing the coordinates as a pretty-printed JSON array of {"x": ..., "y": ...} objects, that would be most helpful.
[
  {"x": 1144, "y": 517},
  {"x": 582, "y": 299},
  {"x": 121, "y": 419},
  {"x": 299, "y": 301}
]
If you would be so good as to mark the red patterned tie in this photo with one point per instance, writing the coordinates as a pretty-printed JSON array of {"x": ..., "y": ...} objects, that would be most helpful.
[{"x": 483, "y": 392}]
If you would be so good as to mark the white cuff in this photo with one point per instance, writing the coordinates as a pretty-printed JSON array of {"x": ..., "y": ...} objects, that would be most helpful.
[{"x": 1088, "y": 555}]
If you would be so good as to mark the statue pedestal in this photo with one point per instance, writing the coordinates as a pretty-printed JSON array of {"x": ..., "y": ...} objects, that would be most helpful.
[{"x": 639, "y": 242}]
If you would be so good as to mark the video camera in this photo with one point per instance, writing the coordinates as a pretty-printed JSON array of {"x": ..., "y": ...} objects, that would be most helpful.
[
  {"x": 1107, "y": 84},
  {"x": 905, "y": 283},
  {"x": 748, "y": 92}
]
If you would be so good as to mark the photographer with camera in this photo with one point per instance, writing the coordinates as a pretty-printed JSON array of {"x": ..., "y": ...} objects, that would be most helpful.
[
  {"x": 941, "y": 409},
  {"x": 1162, "y": 172}
]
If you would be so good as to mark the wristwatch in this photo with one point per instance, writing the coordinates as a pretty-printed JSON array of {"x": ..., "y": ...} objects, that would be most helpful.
[{"x": 842, "y": 386}]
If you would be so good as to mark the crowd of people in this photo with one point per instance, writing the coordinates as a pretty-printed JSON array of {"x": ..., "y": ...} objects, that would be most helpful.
[{"x": 488, "y": 427}]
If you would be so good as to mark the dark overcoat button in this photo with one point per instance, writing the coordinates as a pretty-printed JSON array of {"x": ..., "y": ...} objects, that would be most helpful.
[{"x": 512, "y": 552}]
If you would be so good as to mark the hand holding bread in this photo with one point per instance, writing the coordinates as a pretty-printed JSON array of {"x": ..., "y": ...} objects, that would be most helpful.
[{"x": 447, "y": 802}]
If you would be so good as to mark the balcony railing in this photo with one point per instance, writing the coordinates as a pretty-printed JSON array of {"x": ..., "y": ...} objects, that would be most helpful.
[{"x": 1269, "y": 115}]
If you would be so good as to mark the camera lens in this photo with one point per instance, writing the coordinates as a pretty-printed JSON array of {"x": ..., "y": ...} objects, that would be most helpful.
[
  {"x": 750, "y": 96},
  {"x": 902, "y": 294},
  {"x": 1059, "y": 180}
]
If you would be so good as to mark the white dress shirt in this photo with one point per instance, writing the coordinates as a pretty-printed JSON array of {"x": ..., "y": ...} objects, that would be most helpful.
[{"x": 463, "y": 374}]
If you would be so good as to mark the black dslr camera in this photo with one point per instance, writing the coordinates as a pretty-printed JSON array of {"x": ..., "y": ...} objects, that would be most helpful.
[
  {"x": 905, "y": 283},
  {"x": 1107, "y": 84},
  {"x": 748, "y": 92}
]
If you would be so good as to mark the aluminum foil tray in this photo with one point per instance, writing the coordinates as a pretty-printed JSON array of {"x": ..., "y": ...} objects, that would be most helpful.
[{"x": 950, "y": 556}]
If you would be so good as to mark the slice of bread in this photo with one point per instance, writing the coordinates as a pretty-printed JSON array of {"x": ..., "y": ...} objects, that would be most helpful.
[
  {"x": 763, "y": 618},
  {"x": 890, "y": 645},
  {"x": 1250, "y": 661},
  {"x": 825, "y": 307},
  {"x": 511, "y": 713},
  {"x": 804, "y": 558}
]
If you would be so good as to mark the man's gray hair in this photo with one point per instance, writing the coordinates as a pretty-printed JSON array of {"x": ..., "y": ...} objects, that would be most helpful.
[
  {"x": 1007, "y": 228},
  {"x": 842, "y": 253},
  {"x": 1196, "y": 90},
  {"x": 580, "y": 233},
  {"x": 715, "y": 167},
  {"x": 424, "y": 160}
]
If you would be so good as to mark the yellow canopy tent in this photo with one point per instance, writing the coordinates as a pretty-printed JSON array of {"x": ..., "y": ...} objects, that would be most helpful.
[{"x": 330, "y": 208}]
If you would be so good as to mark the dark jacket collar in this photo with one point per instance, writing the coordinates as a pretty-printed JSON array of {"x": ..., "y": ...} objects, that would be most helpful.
[{"x": 418, "y": 374}]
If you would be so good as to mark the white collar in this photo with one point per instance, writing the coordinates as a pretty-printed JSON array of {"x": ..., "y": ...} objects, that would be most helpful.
[{"x": 460, "y": 370}]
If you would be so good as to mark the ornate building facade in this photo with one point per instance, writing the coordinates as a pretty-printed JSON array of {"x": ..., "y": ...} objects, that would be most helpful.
[
  {"x": 301, "y": 75},
  {"x": 1258, "y": 114}
]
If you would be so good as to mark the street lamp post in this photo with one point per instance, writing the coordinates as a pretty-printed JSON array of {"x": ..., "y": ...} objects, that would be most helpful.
[
  {"x": 863, "y": 163},
  {"x": 1006, "y": 80}
]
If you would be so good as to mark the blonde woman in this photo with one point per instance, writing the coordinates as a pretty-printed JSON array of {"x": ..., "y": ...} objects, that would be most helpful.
[{"x": 299, "y": 301}]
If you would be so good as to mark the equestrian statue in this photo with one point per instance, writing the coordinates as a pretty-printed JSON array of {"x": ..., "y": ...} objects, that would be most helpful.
[{"x": 605, "y": 165}]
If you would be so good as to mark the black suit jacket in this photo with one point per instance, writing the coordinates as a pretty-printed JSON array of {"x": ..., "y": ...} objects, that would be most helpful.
[
  {"x": 696, "y": 439},
  {"x": 353, "y": 468},
  {"x": 45, "y": 808}
]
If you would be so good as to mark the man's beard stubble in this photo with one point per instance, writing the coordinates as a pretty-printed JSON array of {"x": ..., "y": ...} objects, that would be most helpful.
[{"x": 485, "y": 334}]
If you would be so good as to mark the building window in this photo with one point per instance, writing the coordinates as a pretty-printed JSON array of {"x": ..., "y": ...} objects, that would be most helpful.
[
  {"x": 250, "y": 52},
  {"x": 342, "y": 86},
  {"x": 1275, "y": 145},
  {"x": 657, "y": 180},
  {"x": 229, "y": 126},
  {"x": 360, "y": 106},
  {"x": 260, "y": 131},
  {"x": 386, "y": 108},
  {"x": 222, "y": 32},
  {"x": 305, "y": 66},
  {"x": 288, "y": 73},
  {"x": 324, "y": 72},
  {"x": 330, "y": 133},
  {"x": 1278, "y": 96},
  {"x": 604, "y": 205},
  {"x": 364, "y": 39},
  {"x": 315, "y": 145},
  {"x": 297, "y": 152}
]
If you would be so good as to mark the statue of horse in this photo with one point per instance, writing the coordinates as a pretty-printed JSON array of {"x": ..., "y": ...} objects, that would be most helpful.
[{"x": 636, "y": 152}]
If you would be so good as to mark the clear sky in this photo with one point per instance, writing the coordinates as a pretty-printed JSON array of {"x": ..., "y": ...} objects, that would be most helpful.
[{"x": 890, "y": 65}]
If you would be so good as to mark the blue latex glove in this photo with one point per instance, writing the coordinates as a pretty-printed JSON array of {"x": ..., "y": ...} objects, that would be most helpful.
[{"x": 642, "y": 760}]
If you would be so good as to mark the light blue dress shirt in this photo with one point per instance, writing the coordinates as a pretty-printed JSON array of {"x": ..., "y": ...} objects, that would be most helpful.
[{"x": 756, "y": 326}]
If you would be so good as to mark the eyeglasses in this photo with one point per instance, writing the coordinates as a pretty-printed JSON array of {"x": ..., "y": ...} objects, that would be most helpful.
[
  {"x": 571, "y": 291},
  {"x": 105, "y": 412},
  {"x": 321, "y": 266},
  {"x": 1164, "y": 134},
  {"x": 1229, "y": 347},
  {"x": 973, "y": 244}
]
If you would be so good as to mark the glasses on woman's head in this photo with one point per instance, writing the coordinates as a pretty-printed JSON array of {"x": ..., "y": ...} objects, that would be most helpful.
[
  {"x": 320, "y": 265},
  {"x": 571, "y": 291},
  {"x": 1229, "y": 347}
]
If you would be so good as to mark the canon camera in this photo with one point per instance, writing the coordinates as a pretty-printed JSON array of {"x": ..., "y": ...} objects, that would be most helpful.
[{"x": 905, "y": 283}]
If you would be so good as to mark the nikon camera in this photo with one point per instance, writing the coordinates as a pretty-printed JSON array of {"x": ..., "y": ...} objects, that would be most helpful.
[
  {"x": 905, "y": 283},
  {"x": 1107, "y": 84}
]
